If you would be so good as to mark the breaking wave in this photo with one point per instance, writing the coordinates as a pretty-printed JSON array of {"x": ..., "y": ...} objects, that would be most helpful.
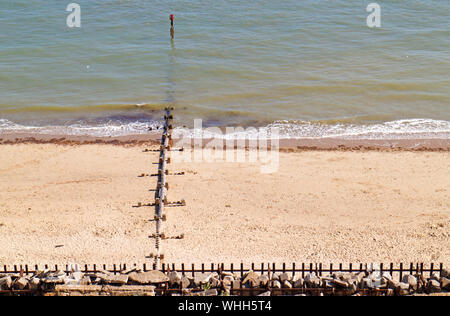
[
  {"x": 109, "y": 129},
  {"x": 399, "y": 129}
]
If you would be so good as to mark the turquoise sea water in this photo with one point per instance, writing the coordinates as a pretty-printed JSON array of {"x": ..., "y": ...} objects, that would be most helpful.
[{"x": 312, "y": 67}]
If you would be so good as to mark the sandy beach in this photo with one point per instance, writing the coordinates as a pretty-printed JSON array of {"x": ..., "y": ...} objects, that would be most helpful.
[{"x": 74, "y": 204}]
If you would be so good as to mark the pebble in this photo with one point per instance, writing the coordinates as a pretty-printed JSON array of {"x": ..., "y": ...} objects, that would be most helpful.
[
  {"x": 433, "y": 286},
  {"x": 445, "y": 284},
  {"x": 411, "y": 281},
  {"x": 174, "y": 277},
  {"x": 276, "y": 284},
  {"x": 284, "y": 277},
  {"x": 5, "y": 283},
  {"x": 21, "y": 283},
  {"x": 263, "y": 279}
]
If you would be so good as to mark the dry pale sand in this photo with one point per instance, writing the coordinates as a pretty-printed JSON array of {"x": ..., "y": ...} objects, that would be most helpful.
[
  {"x": 65, "y": 204},
  {"x": 77, "y": 197}
]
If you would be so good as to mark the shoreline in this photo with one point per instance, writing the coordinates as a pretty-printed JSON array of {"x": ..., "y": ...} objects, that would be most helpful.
[{"x": 285, "y": 144}]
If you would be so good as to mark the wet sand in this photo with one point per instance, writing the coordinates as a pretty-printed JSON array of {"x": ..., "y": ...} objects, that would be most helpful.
[
  {"x": 72, "y": 203},
  {"x": 291, "y": 144}
]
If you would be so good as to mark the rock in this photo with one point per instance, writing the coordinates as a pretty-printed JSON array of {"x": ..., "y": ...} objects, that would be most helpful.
[
  {"x": 284, "y": 277},
  {"x": 228, "y": 279},
  {"x": 202, "y": 278},
  {"x": 387, "y": 275},
  {"x": 114, "y": 279},
  {"x": 375, "y": 276},
  {"x": 445, "y": 274},
  {"x": 185, "y": 282},
  {"x": 367, "y": 283},
  {"x": 433, "y": 286},
  {"x": 298, "y": 283},
  {"x": 275, "y": 276},
  {"x": 411, "y": 280},
  {"x": 392, "y": 284},
  {"x": 384, "y": 282},
  {"x": 436, "y": 276},
  {"x": 150, "y": 277},
  {"x": 252, "y": 279},
  {"x": 403, "y": 288},
  {"x": 21, "y": 283},
  {"x": 312, "y": 280},
  {"x": 34, "y": 283},
  {"x": 264, "y": 294},
  {"x": 276, "y": 284},
  {"x": 341, "y": 284},
  {"x": 360, "y": 276},
  {"x": 263, "y": 280},
  {"x": 250, "y": 276},
  {"x": 309, "y": 276},
  {"x": 236, "y": 284},
  {"x": 348, "y": 276},
  {"x": 227, "y": 274},
  {"x": 445, "y": 284},
  {"x": 227, "y": 282},
  {"x": 378, "y": 282},
  {"x": 353, "y": 287},
  {"x": 254, "y": 283},
  {"x": 345, "y": 276},
  {"x": 214, "y": 282},
  {"x": 287, "y": 284},
  {"x": 353, "y": 281},
  {"x": 5, "y": 283},
  {"x": 421, "y": 282},
  {"x": 174, "y": 277}
]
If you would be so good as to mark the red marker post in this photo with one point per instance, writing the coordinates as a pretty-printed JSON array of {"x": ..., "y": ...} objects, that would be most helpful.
[{"x": 172, "y": 30}]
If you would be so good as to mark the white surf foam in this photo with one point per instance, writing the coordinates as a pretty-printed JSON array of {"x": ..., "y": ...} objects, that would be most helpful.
[
  {"x": 112, "y": 129},
  {"x": 400, "y": 129}
]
